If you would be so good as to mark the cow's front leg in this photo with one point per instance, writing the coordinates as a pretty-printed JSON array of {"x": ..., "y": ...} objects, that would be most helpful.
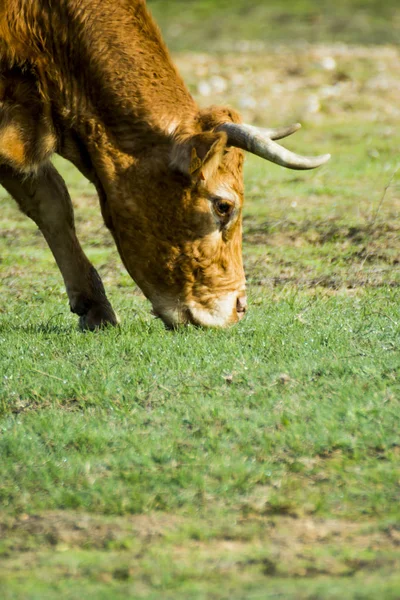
[{"x": 45, "y": 199}]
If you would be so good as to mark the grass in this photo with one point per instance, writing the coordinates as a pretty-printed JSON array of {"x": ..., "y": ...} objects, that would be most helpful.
[{"x": 257, "y": 462}]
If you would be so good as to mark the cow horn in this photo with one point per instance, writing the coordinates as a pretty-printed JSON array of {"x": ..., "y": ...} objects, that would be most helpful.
[{"x": 260, "y": 142}]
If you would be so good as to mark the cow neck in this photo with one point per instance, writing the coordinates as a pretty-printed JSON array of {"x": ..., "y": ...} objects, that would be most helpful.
[{"x": 114, "y": 83}]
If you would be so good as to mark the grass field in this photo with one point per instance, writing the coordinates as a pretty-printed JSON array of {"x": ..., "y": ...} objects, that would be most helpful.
[{"x": 253, "y": 463}]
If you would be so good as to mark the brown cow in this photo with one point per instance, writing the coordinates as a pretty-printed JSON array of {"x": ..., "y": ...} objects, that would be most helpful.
[{"x": 93, "y": 81}]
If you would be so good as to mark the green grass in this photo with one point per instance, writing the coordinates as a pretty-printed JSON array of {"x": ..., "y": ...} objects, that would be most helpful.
[
  {"x": 257, "y": 462},
  {"x": 205, "y": 417}
]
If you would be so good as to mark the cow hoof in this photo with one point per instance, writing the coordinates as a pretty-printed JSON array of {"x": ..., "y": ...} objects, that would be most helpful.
[{"x": 98, "y": 317}]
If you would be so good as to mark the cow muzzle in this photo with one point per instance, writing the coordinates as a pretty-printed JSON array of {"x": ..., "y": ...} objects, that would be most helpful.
[{"x": 225, "y": 311}]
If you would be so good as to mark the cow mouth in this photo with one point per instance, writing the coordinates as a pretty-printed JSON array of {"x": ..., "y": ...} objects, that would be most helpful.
[{"x": 227, "y": 311}]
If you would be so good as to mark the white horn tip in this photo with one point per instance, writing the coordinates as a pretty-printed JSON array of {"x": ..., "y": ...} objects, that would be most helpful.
[{"x": 318, "y": 161}]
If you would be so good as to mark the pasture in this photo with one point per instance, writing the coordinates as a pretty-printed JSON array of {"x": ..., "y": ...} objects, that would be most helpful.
[{"x": 256, "y": 462}]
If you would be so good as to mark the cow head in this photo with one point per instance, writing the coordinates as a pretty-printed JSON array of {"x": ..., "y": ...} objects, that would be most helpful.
[{"x": 179, "y": 226}]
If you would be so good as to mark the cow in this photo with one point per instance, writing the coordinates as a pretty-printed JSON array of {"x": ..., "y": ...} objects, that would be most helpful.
[{"x": 93, "y": 81}]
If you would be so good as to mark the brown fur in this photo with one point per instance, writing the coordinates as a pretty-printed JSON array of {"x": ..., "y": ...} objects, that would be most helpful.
[{"x": 93, "y": 81}]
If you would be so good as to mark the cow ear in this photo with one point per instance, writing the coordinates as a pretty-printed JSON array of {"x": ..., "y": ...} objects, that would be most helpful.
[{"x": 200, "y": 155}]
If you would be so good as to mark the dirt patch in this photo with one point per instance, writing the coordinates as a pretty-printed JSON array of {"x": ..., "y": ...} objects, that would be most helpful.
[
  {"x": 319, "y": 232},
  {"x": 260, "y": 545},
  {"x": 85, "y": 530},
  {"x": 80, "y": 530},
  {"x": 333, "y": 284}
]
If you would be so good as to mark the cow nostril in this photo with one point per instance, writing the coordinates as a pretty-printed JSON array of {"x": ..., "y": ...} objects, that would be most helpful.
[{"x": 241, "y": 304}]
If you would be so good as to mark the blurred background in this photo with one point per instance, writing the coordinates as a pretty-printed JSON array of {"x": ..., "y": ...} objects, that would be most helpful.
[{"x": 221, "y": 24}]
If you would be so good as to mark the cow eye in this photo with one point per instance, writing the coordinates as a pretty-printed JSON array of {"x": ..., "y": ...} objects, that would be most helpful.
[{"x": 223, "y": 208}]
